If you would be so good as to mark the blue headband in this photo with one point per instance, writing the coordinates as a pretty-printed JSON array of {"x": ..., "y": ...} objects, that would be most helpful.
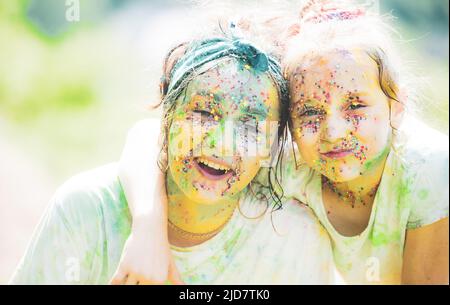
[{"x": 206, "y": 51}]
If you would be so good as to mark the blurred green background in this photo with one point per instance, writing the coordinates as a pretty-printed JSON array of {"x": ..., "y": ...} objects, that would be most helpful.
[{"x": 69, "y": 91}]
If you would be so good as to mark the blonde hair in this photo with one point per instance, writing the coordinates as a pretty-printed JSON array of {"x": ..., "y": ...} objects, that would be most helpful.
[
  {"x": 349, "y": 26},
  {"x": 289, "y": 29}
]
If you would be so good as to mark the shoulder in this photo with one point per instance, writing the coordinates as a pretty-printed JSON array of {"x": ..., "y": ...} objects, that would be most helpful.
[
  {"x": 422, "y": 145},
  {"x": 93, "y": 210},
  {"x": 426, "y": 166},
  {"x": 423, "y": 154},
  {"x": 89, "y": 194},
  {"x": 98, "y": 177}
]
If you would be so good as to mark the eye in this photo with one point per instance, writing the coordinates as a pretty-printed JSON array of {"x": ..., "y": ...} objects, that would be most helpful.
[
  {"x": 206, "y": 115},
  {"x": 309, "y": 111},
  {"x": 355, "y": 106}
]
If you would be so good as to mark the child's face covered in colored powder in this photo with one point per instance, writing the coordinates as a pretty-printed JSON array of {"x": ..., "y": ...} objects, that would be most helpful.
[
  {"x": 221, "y": 130},
  {"x": 339, "y": 113}
]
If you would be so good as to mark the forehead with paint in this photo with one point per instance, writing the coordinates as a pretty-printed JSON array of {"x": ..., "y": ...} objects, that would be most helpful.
[
  {"x": 231, "y": 91},
  {"x": 339, "y": 112},
  {"x": 335, "y": 76}
]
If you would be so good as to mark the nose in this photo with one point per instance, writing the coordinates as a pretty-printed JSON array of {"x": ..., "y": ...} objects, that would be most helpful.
[
  {"x": 218, "y": 140},
  {"x": 335, "y": 128}
]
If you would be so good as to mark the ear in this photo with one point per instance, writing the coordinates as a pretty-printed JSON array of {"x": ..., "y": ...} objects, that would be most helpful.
[{"x": 397, "y": 112}]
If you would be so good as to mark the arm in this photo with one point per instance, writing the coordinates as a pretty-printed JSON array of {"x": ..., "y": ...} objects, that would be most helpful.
[
  {"x": 146, "y": 258},
  {"x": 138, "y": 169},
  {"x": 426, "y": 254}
]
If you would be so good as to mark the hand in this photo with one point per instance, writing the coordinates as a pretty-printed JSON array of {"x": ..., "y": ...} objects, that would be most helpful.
[{"x": 146, "y": 261}]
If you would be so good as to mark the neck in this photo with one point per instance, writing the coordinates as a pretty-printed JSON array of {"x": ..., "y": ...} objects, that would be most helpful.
[
  {"x": 362, "y": 189},
  {"x": 194, "y": 217}
]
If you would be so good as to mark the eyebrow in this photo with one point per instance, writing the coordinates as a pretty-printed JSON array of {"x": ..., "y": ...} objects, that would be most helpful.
[
  {"x": 204, "y": 97},
  {"x": 350, "y": 95},
  {"x": 356, "y": 94},
  {"x": 206, "y": 94},
  {"x": 307, "y": 100},
  {"x": 258, "y": 112}
]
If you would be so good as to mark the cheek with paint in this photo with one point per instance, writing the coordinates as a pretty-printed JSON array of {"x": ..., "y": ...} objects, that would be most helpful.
[
  {"x": 356, "y": 119},
  {"x": 308, "y": 143},
  {"x": 373, "y": 133},
  {"x": 308, "y": 138},
  {"x": 368, "y": 147},
  {"x": 192, "y": 180},
  {"x": 310, "y": 127},
  {"x": 376, "y": 136}
]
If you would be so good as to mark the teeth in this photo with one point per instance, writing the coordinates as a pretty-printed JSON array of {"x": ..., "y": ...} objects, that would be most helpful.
[{"x": 213, "y": 164}]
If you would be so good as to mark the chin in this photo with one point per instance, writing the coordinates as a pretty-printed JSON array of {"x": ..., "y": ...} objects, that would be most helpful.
[
  {"x": 340, "y": 178},
  {"x": 205, "y": 197},
  {"x": 345, "y": 174}
]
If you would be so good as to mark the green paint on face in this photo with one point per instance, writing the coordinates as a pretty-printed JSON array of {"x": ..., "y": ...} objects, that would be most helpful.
[
  {"x": 212, "y": 143},
  {"x": 174, "y": 132},
  {"x": 369, "y": 164}
]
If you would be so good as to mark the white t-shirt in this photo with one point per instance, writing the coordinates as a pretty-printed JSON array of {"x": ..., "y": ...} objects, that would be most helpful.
[
  {"x": 413, "y": 193},
  {"x": 81, "y": 238}
]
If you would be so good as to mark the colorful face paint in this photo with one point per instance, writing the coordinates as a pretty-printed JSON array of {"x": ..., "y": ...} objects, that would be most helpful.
[
  {"x": 212, "y": 169},
  {"x": 339, "y": 114}
]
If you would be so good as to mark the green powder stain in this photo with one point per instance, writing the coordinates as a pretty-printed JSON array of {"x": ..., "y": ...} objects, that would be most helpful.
[
  {"x": 184, "y": 184},
  {"x": 174, "y": 132},
  {"x": 403, "y": 190},
  {"x": 232, "y": 241},
  {"x": 213, "y": 143},
  {"x": 378, "y": 238},
  {"x": 423, "y": 194}
]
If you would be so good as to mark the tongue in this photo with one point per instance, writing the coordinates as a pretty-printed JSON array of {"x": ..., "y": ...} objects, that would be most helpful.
[{"x": 211, "y": 171}]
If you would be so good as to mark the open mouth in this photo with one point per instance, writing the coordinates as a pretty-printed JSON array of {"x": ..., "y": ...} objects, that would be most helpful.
[
  {"x": 212, "y": 169},
  {"x": 338, "y": 153}
]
